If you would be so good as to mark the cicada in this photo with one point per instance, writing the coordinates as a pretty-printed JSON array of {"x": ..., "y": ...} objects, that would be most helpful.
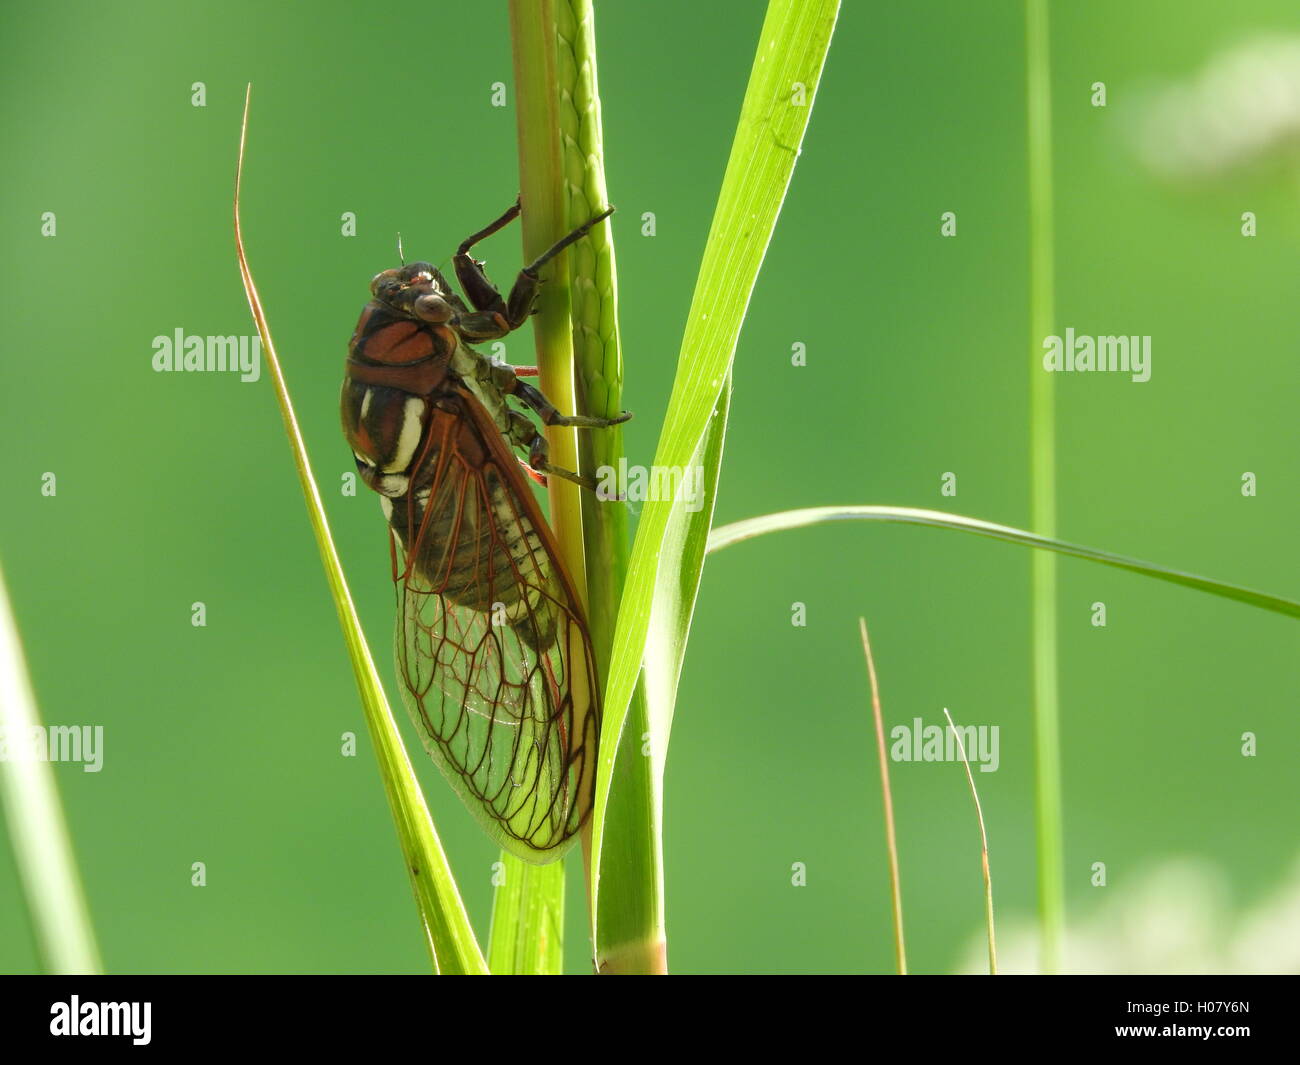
[{"x": 494, "y": 659}]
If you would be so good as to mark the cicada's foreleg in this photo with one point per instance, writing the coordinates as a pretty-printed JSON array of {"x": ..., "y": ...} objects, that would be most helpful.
[
  {"x": 495, "y": 316},
  {"x": 469, "y": 271}
]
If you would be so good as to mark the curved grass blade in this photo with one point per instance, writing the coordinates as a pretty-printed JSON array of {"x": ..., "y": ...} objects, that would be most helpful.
[
  {"x": 37, "y": 830},
  {"x": 448, "y": 934},
  {"x": 663, "y": 574},
  {"x": 726, "y": 535},
  {"x": 527, "y": 936}
]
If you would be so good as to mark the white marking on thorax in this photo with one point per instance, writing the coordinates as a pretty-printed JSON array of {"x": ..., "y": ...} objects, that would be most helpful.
[
  {"x": 365, "y": 403},
  {"x": 409, "y": 439}
]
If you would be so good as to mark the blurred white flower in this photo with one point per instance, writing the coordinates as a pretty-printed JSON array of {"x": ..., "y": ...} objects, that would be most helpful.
[
  {"x": 1175, "y": 918},
  {"x": 1243, "y": 108}
]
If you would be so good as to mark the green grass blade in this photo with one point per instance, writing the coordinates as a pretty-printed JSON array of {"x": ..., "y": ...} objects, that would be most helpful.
[
  {"x": 37, "y": 830},
  {"x": 1048, "y": 806},
  {"x": 788, "y": 63},
  {"x": 686, "y": 540},
  {"x": 448, "y": 934},
  {"x": 527, "y": 936},
  {"x": 630, "y": 928},
  {"x": 726, "y": 535}
]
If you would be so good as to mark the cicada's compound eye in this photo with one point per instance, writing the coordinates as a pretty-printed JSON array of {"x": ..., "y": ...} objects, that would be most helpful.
[
  {"x": 386, "y": 283},
  {"x": 432, "y": 308}
]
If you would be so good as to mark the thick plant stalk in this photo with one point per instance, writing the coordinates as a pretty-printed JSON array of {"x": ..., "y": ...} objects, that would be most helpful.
[
  {"x": 527, "y": 934},
  {"x": 562, "y": 171},
  {"x": 593, "y": 288},
  {"x": 545, "y": 219},
  {"x": 597, "y": 352},
  {"x": 598, "y": 386}
]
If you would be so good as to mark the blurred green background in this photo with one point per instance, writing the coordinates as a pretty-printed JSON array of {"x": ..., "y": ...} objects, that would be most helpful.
[{"x": 222, "y": 743}]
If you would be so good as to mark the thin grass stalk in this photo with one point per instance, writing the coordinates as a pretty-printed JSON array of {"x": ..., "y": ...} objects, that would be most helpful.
[
  {"x": 891, "y": 840},
  {"x": 1042, "y": 493},
  {"x": 984, "y": 848}
]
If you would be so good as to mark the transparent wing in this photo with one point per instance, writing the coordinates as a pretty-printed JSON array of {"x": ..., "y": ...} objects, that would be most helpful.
[{"x": 492, "y": 648}]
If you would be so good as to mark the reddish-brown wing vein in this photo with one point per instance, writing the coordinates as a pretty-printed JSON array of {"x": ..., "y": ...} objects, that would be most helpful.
[{"x": 493, "y": 653}]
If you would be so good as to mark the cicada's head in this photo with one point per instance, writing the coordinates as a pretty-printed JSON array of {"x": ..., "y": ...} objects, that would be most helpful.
[{"x": 416, "y": 290}]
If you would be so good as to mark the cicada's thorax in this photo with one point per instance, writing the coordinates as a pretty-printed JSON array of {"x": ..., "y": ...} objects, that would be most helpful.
[
  {"x": 404, "y": 408},
  {"x": 395, "y": 365}
]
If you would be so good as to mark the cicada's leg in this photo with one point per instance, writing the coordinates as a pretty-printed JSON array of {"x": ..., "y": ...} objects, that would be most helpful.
[
  {"x": 495, "y": 316},
  {"x": 469, "y": 271},
  {"x": 550, "y": 414},
  {"x": 523, "y": 433},
  {"x": 532, "y": 474}
]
